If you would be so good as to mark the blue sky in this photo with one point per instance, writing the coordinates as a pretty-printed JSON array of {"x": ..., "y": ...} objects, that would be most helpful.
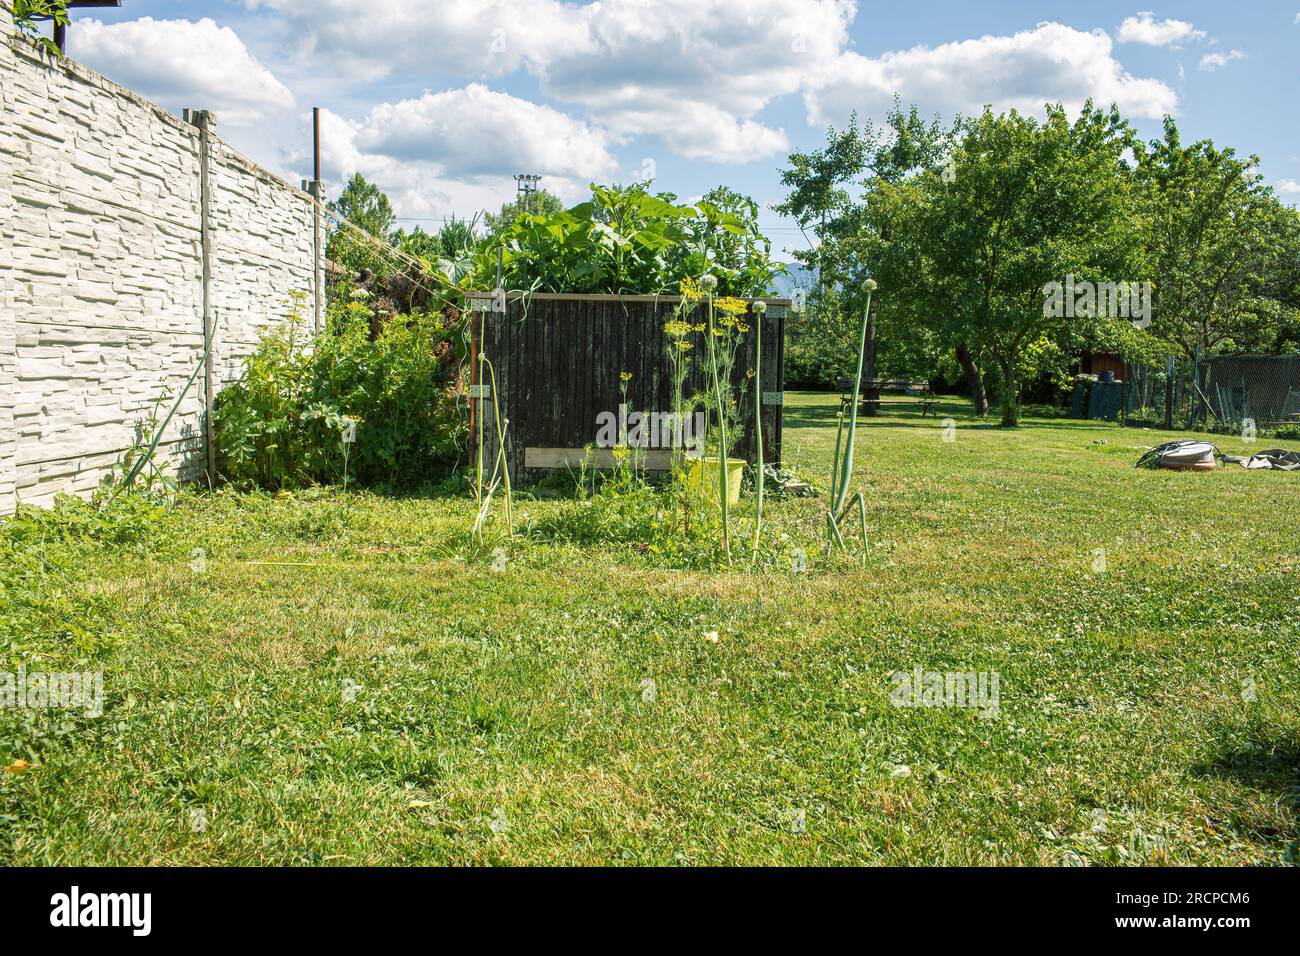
[{"x": 440, "y": 102}]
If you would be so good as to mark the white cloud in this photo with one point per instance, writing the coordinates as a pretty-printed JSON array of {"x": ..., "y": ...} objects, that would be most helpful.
[
  {"x": 374, "y": 39},
  {"x": 475, "y": 131},
  {"x": 1212, "y": 61},
  {"x": 1050, "y": 63},
  {"x": 1289, "y": 185},
  {"x": 1144, "y": 28},
  {"x": 181, "y": 63},
  {"x": 458, "y": 149},
  {"x": 694, "y": 74}
]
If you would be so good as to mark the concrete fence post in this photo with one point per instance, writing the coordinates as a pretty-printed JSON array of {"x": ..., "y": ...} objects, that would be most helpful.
[
  {"x": 206, "y": 123},
  {"x": 317, "y": 190}
]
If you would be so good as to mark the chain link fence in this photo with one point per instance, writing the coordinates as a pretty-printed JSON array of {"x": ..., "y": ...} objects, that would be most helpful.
[
  {"x": 1222, "y": 393},
  {"x": 1264, "y": 389}
]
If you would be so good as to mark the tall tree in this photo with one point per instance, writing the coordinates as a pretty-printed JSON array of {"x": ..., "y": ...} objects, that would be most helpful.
[
  {"x": 834, "y": 193},
  {"x": 1217, "y": 236},
  {"x": 364, "y": 204},
  {"x": 541, "y": 203},
  {"x": 1026, "y": 204}
]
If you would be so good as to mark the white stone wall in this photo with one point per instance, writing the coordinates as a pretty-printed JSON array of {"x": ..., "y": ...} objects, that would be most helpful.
[
  {"x": 101, "y": 275},
  {"x": 262, "y": 254},
  {"x": 8, "y": 357}
]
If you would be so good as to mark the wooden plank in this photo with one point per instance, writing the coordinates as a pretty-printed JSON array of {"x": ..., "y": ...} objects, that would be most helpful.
[
  {"x": 598, "y": 357},
  {"x": 641, "y": 324},
  {"x": 553, "y": 378},
  {"x": 582, "y": 358},
  {"x": 513, "y": 409},
  {"x": 483, "y": 407},
  {"x": 779, "y": 381},
  {"x": 533, "y": 328},
  {"x": 652, "y": 459},
  {"x": 772, "y": 385},
  {"x": 591, "y": 361}
]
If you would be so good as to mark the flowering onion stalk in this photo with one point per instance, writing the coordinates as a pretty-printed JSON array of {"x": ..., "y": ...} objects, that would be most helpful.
[
  {"x": 842, "y": 467},
  {"x": 760, "y": 311}
]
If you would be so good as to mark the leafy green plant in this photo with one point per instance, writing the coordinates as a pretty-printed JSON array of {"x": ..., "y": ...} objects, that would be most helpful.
[
  {"x": 628, "y": 510},
  {"x": 140, "y": 469},
  {"x": 282, "y": 423},
  {"x": 628, "y": 240},
  {"x": 27, "y": 13}
]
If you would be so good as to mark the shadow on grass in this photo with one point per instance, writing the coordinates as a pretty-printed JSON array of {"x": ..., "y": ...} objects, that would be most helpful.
[
  {"x": 1265, "y": 765},
  {"x": 823, "y": 416}
]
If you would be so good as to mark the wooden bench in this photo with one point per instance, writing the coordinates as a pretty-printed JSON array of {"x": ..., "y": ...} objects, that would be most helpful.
[{"x": 871, "y": 388}]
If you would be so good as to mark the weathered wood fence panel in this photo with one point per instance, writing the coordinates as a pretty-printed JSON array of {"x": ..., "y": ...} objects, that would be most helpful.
[{"x": 558, "y": 361}]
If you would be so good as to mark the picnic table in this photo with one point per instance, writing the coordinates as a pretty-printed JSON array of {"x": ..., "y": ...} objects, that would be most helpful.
[{"x": 870, "y": 389}]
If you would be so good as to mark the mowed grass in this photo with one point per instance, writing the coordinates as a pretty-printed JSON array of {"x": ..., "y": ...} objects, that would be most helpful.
[{"x": 344, "y": 680}]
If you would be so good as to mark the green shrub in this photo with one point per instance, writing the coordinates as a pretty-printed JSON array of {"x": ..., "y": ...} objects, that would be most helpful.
[{"x": 283, "y": 423}]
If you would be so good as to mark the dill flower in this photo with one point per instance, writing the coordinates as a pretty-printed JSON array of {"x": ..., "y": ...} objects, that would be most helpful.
[{"x": 691, "y": 290}]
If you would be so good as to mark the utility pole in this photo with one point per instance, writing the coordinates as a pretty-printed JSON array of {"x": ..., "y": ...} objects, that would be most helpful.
[{"x": 525, "y": 186}]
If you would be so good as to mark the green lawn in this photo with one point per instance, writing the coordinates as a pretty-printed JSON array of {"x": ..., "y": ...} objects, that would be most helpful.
[{"x": 383, "y": 696}]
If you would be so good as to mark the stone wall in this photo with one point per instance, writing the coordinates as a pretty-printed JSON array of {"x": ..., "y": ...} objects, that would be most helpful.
[{"x": 101, "y": 276}]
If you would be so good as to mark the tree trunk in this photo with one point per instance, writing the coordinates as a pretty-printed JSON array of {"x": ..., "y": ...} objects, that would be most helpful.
[
  {"x": 1010, "y": 405},
  {"x": 973, "y": 379},
  {"x": 869, "y": 363}
]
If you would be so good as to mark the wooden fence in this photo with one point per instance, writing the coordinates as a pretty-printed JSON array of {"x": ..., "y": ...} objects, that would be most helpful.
[{"x": 558, "y": 361}]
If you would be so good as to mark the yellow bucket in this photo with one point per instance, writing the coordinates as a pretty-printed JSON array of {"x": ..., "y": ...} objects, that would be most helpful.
[{"x": 702, "y": 472}]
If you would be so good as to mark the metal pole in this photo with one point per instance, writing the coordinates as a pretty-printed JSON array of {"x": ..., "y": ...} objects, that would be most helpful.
[
  {"x": 318, "y": 195},
  {"x": 315, "y": 143},
  {"x": 1171, "y": 367}
]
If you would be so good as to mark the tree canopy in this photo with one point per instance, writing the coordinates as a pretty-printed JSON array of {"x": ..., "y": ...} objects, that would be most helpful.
[
  {"x": 967, "y": 228},
  {"x": 543, "y": 203}
]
